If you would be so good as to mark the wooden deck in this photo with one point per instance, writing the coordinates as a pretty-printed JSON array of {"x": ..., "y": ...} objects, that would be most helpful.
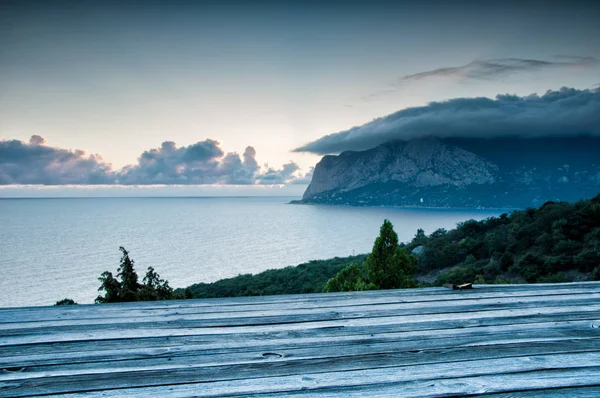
[{"x": 526, "y": 340}]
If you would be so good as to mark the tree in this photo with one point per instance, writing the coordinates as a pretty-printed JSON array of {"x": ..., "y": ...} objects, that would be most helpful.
[
  {"x": 506, "y": 261},
  {"x": 111, "y": 286},
  {"x": 128, "y": 288},
  {"x": 129, "y": 279},
  {"x": 531, "y": 267},
  {"x": 388, "y": 266},
  {"x": 420, "y": 237},
  {"x": 154, "y": 288}
]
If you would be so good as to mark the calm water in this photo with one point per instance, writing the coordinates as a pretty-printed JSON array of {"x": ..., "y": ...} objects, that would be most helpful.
[{"x": 56, "y": 248}]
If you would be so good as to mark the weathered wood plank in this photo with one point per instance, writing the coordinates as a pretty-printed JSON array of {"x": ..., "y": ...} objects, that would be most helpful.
[
  {"x": 245, "y": 304},
  {"x": 300, "y": 301},
  {"x": 304, "y": 359},
  {"x": 428, "y": 339},
  {"x": 347, "y": 344},
  {"x": 513, "y": 385},
  {"x": 572, "y": 392},
  {"x": 458, "y": 378},
  {"x": 162, "y": 318},
  {"x": 519, "y": 324},
  {"x": 510, "y": 385},
  {"x": 249, "y": 327}
]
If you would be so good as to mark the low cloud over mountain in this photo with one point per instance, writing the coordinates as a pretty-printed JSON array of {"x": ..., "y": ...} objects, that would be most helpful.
[
  {"x": 201, "y": 163},
  {"x": 565, "y": 112}
]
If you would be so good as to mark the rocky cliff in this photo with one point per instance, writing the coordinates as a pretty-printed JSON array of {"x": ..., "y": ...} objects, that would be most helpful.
[{"x": 508, "y": 172}]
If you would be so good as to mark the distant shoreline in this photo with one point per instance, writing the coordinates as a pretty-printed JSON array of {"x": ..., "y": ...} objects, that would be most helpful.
[{"x": 507, "y": 209}]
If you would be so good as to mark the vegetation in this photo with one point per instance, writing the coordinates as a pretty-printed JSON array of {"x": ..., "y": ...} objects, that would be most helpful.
[
  {"x": 66, "y": 301},
  {"x": 387, "y": 267},
  {"x": 305, "y": 278},
  {"x": 351, "y": 278},
  {"x": 559, "y": 242},
  {"x": 127, "y": 287}
]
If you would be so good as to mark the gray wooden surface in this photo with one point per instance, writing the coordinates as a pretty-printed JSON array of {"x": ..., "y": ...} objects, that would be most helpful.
[{"x": 512, "y": 340}]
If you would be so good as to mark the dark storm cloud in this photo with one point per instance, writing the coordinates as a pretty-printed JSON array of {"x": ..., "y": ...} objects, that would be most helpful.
[
  {"x": 500, "y": 67},
  {"x": 35, "y": 163},
  {"x": 201, "y": 163},
  {"x": 564, "y": 112}
]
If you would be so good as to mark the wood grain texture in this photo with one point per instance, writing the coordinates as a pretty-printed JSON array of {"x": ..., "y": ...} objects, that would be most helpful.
[{"x": 512, "y": 340}]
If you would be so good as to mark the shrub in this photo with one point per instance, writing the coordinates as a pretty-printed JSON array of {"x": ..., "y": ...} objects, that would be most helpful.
[
  {"x": 348, "y": 279},
  {"x": 66, "y": 301}
]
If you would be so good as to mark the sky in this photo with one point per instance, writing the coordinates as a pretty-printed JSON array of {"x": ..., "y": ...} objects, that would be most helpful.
[{"x": 235, "y": 93}]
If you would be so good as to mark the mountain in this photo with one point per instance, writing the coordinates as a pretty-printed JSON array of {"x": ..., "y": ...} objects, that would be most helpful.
[{"x": 508, "y": 172}]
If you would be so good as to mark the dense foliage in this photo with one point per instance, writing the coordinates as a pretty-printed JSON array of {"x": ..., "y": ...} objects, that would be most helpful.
[
  {"x": 66, "y": 301},
  {"x": 349, "y": 279},
  {"x": 387, "y": 267},
  {"x": 559, "y": 242},
  {"x": 305, "y": 278},
  {"x": 127, "y": 288}
]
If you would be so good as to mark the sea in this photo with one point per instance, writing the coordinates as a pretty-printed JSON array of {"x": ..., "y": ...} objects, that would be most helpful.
[{"x": 56, "y": 248}]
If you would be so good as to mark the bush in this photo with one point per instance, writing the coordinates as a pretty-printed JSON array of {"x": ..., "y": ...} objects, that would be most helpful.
[
  {"x": 554, "y": 278},
  {"x": 530, "y": 267},
  {"x": 349, "y": 279},
  {"x": 587, "y": 260},
  {"x": 457, "y": 275},
  {"x": 596, "y": 274},
  {"x": 506, "y": 261},
  {"x": 66, "y": 301}
]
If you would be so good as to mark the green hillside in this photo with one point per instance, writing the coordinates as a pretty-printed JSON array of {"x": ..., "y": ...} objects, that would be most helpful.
[
  {"x": 559, "y": 242},
  {"x": 309, "y": 277}
]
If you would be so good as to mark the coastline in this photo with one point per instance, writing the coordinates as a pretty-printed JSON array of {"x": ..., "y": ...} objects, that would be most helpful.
[{"x": 505, "y": 209}]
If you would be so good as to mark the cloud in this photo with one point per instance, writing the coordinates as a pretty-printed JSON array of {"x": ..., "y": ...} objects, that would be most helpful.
[
  {"x": 37, "y": 140},
  {"x": 35, "y": 163},
  {"x": 193, "y": 164},
  {"x": 490, "y": 69},
  {"x": 306, "y": 178},
  {"x": 282, "y": 176},
  {"x": 564, "y": 112},
  {"x": 201, "y": 163}
]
